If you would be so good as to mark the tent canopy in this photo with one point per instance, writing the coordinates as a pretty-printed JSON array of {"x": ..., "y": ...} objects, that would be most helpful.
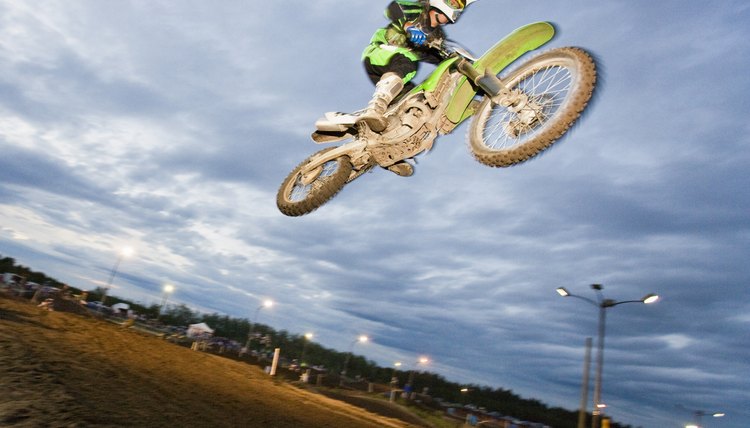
[{"x": 199, "y": 329}]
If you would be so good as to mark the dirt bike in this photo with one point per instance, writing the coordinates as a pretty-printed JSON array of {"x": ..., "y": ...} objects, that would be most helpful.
[{"x": 515, "y": 116}]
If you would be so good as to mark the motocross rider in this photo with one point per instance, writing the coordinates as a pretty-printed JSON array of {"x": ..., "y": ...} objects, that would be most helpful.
[{"x": 393, "y": 55}]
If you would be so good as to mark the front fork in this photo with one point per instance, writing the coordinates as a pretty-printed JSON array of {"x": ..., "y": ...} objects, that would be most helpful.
[
  {"x": 488, "y": 82},
  {"x": 515, "y": 101}
]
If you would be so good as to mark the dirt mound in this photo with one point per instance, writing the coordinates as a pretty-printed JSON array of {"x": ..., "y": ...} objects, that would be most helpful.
[{"x": 67, "y": 370}]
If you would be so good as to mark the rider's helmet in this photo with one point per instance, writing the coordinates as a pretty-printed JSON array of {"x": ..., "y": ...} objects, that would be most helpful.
[{"x": 451, "y": 8}]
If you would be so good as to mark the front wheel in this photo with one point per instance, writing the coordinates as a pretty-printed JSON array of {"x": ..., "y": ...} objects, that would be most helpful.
[
  {"x": 547, "y": 94},
  {"x": 305, "y": 189}
]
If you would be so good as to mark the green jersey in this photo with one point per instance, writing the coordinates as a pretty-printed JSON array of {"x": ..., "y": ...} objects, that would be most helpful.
[{"x": 392, "y": 39}]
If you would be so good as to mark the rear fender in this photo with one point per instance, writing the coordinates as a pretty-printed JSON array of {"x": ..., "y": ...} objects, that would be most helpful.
[
  {"x": 323, "y": 137},
  {"x": 354, "y": 150},
  {"x": 498, "y": 57}
]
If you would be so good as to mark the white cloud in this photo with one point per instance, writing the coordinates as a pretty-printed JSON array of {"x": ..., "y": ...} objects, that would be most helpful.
[{"x": 677, "y": 341}]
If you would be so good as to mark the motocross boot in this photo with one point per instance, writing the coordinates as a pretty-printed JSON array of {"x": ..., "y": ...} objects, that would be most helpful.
[{"x": 387, "y": 88}]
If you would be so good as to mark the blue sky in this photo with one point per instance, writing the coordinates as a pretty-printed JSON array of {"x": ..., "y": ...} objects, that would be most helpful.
[{"x": 168, "y": 126}]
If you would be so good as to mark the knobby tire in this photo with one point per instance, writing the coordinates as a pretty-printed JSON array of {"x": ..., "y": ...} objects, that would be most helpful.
[
  {"x": 318, "y": 192},
  {"x": 487, "y": 126}
]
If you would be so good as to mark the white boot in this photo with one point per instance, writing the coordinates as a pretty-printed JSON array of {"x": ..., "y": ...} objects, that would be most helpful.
[{"x": 387, "y": 88}]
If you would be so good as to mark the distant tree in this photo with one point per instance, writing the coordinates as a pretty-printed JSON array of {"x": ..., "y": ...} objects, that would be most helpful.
[
  {"x": 179, "y": 315},
  {"x": 95, "y": 295},
  {"x": 150, "y": 312},
  {"x": 7, "y": 264}
]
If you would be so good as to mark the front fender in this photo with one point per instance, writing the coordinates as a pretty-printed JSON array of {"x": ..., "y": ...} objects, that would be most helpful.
[{"x": 507, "y": 50}]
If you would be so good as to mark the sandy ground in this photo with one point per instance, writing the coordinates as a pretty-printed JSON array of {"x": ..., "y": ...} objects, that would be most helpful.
[{"x": 65, "y": 370}]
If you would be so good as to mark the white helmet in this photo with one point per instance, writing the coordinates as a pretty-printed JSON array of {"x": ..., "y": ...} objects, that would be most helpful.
[{"x": 451, "y": 8}]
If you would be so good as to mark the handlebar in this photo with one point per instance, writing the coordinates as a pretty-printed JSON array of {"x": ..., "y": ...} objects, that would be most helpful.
[
  {"x": 488, "y": 82},
  {"x": 448, "y": 48}
]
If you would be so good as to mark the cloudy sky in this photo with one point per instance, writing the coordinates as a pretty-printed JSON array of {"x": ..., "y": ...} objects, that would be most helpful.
[{"x": 168, "y": 126}]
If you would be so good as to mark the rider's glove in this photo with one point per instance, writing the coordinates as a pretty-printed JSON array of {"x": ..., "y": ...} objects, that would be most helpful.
[{"x": 416, "y": 36}]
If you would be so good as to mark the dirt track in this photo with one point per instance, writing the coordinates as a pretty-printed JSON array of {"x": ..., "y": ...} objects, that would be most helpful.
[{"x": 64, "y": 370}]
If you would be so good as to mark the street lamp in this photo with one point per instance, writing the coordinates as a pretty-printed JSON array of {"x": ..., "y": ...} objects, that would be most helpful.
[
  {"x": 307, "y": 338},
  {"x": 361, "y": 339},
  {"x": 602, "y": 304},
  {"x": 125, "y": 252},
  {"x": 699, "y": 414},
  {"x": 266, "y": 304},
  {"x": 168, "y": 289},
  {"x": 422, "y": 360},
  {"x": 394, "y": 378}
]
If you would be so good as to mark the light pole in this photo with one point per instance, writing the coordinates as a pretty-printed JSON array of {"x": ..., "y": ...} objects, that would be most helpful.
[
  {"x": 394, "y": 378},
  {"x": 394, "y": 381},
  {"x": 699, "y": 414},
  {"x": 602, "y": 304},
  {"x": 306, "y": 338},
  {"x": 361, "y": 339},
  {"x": 585, "y": 385},
  {"x": 266, "y": 304},
  {"x": 125, "y": 252},
  {"x": 168, "y": 289},
  {"x": 422, "y": 360}
]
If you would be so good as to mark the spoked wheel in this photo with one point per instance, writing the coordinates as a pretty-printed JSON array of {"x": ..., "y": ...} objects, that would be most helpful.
[
  {"x": 547, "y": 94},
  {"x": 305, "y": 189}
]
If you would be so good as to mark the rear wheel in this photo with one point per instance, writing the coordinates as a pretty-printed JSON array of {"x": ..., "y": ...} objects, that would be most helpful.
[
  {"x": 548, "y": 93},
  {"x": 305, "y": 189}
]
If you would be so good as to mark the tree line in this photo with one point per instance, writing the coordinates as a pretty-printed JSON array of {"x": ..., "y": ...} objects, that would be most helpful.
[{"x": 297, "y": 346}]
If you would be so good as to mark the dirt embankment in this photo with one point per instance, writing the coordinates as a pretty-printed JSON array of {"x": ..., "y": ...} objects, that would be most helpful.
[{"x": 65, "y": 370}]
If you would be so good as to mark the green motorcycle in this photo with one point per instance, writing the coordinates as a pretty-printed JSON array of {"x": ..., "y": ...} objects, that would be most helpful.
[{"x": 515, "y": 116}]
